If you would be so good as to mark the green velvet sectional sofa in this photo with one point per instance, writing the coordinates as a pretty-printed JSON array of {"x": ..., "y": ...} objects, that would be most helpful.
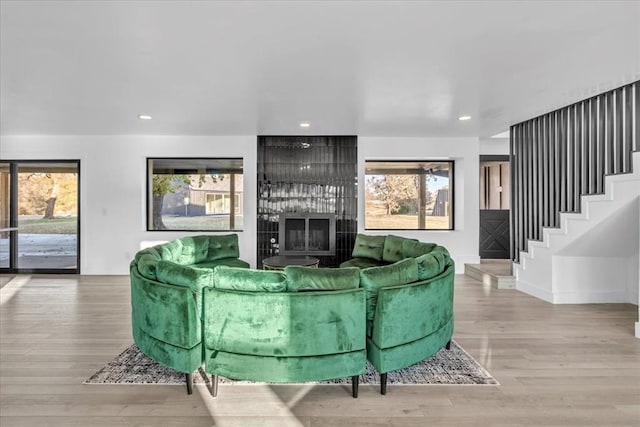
[
  {"x": 409, "y": 287},
  {"x": 195, "y": 303}
]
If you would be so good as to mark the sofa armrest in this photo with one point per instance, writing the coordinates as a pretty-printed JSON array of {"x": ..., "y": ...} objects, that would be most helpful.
[{"x": 167, "y": 312}]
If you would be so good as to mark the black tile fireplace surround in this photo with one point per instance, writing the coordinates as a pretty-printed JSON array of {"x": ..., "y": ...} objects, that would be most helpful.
[{"x": 307, "y": 179}]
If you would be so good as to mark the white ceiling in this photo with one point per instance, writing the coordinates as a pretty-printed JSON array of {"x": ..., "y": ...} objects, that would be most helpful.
[{"x": 376, "y": 68}]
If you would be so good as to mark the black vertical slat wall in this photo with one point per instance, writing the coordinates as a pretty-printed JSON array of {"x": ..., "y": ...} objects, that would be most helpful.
[
  {"x": 560, "y": 156},
  {"x": 314, "y": 174}
]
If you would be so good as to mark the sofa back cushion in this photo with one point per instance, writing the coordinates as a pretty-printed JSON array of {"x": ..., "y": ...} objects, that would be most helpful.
[
  {"x": 374, "y": 278},
  {"x": 182, "y": 275},
  {"x": 368, "y": 247},
  {"x": 170, "y": 251},
  {"x": 433, "y": 263},
  {"x": 392, "y": 250},
  {"x": 194, "y": 249},
  {"x": 321, "y": 279},
  {"x": 245, "y": 279},
  {"x": 415, "y": 248},
  {"x": 223, "y": 246}
]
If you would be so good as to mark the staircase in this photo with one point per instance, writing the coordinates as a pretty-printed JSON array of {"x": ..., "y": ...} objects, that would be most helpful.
[{"x": 593, "y": 256}]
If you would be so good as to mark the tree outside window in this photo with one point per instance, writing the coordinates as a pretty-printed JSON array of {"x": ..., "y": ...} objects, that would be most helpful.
[{"x": 409, "y": 195}]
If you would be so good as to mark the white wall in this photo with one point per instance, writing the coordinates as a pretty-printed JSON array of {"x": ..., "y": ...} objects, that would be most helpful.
[
  {"x": 113, "y": 188},
  {"x": 594, "y": 279},
  {"x": 494, "y": 146},
  {"x": 601, "y": 265},
  {"x": 462, "y": 242}
]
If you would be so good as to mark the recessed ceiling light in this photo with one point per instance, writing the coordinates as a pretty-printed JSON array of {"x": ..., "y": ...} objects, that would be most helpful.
[
  {"x": 463, "y": 118},
  {"x": 305, "y": 124},
  {"x": 144, "y": 117}
]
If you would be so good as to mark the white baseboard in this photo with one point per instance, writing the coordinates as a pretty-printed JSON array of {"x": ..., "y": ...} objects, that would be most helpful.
[
  {"x": 534, "y": 290},
  {"x": 590, "y": 297}
]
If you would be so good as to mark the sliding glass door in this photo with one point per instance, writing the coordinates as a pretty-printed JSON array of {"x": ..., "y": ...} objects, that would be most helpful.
[{"x": 40, "y": 204}]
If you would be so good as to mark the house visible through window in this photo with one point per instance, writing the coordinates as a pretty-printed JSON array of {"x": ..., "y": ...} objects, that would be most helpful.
[
  {"x": 219, "y": 203},
  {"x": 195, "y": 194},
  {"x": 409, "y": 195}
]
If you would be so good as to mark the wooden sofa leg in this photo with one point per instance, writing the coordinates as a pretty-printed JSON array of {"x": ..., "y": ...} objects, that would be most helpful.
[
  {"x": 189, "y": 383},
  {"x": 448, "y": 346},
  {"x": 383, "y": 384},
  {"x": 354, "y": 385},
  {"x": 214, "y": 385}
]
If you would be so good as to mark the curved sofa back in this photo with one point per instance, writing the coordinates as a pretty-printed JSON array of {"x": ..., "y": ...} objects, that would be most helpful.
[
  {"x": 286, "y": 324},
  {"x": 300, "y": 324},
  {"x": 284, "y": 336},
  {"x": 406, "y": 313}
]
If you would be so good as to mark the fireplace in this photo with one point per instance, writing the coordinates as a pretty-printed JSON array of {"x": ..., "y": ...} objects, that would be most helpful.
[{"x": 307, "y": 234}]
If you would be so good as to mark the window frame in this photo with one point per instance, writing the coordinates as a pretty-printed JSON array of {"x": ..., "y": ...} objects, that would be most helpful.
[
  {"x": 149, "y": 191},
  {"x": 412, "y": 171}
]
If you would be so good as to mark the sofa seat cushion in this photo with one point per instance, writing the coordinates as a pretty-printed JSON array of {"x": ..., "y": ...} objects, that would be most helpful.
[
  {"x": 362, "y": 263},
  {"x": 392, "y": 250},
  {"x": 321, "y": 279},
  {"x": 368, "y": 247},
  {"x": 229, "y": 262},
  {"x": 223, "y": 246},
  {"x": 414, "y": 248},
  {"x": 244, "y": 279},
  {"x": 374, "y": 278}
]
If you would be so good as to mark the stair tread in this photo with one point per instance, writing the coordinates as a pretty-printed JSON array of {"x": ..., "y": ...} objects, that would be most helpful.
[{"x": 492, "y": 269}]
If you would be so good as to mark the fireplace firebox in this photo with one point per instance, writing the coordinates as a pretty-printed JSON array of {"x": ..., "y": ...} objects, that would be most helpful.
[{"x": 307, "y": 234}]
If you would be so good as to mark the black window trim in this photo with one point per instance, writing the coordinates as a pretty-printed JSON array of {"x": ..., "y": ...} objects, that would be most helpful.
[{"x": 409, "y": 171}]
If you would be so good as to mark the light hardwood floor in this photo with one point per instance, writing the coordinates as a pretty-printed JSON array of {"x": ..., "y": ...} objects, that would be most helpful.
[{"x": 558, "y": 365}]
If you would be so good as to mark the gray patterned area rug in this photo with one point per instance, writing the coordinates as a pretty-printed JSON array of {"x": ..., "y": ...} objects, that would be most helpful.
[{"x": 447, "y": 367}]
